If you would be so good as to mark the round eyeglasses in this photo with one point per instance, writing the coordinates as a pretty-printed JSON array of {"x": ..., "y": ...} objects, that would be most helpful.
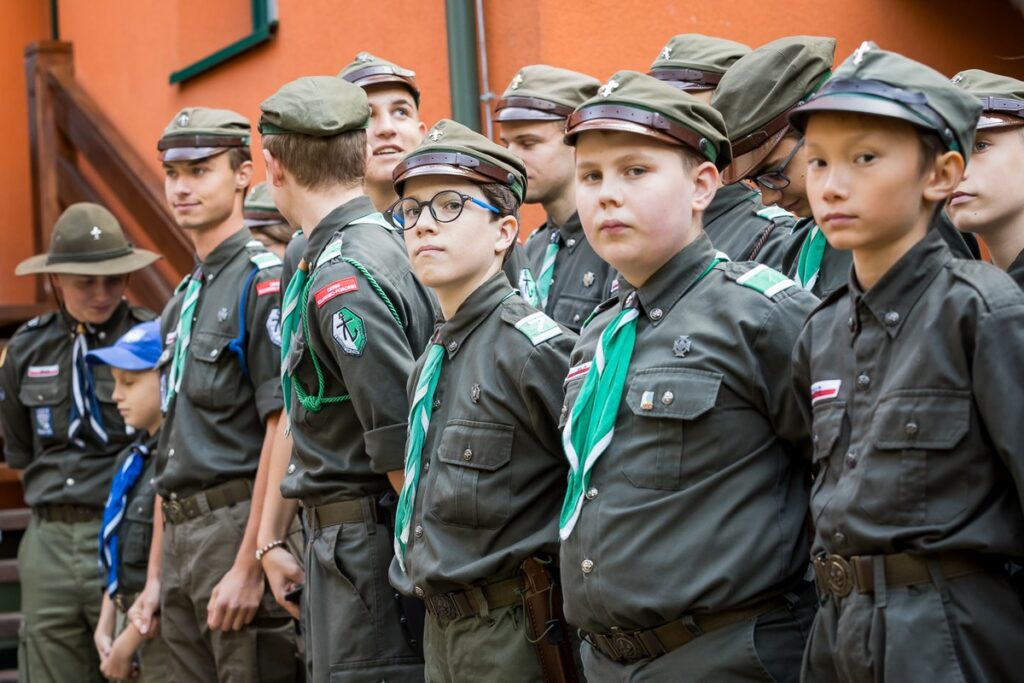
[
  {"x": 445, "y": 207},
  {"x": 776, "y": 179}
]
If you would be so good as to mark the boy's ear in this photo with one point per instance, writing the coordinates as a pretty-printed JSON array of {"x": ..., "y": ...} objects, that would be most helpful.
[
  {"x": 705, "y": 183},
  {"x": 508, "y": 231},
  {"x": 243, "y": 176},
  {"x": 945, "y": 175},
  {"x": 275, "y": 171}
]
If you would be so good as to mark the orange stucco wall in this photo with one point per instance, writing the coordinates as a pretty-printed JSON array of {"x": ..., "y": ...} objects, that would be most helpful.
[{"x": 125, "y": 51}]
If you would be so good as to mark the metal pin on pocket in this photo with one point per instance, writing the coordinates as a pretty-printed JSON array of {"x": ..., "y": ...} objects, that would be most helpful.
[{"x": 647, "y": 401}]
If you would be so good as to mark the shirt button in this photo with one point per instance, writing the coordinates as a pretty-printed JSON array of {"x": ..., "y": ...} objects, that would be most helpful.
[
  {"x": 170, "y": 453},
  {"x": 565, "y": 410},
  {"x": 656, "y": 314},
  {"x": 592, "y": 493},
  {"x": 576, "y": 318},
  {"x": 139, "y": 509},
  {"x": 587, "y": 566},
  {"x": 426, "y": 466},
  {"x": 851, "y": 459},
  {"x": 863, "y": 381},
  {"x": 418, "y": 531},
  {"x": 911, "y": 428},
  {"x": 839, "y": 538},
  {"x": 291, "y": 468},
  {"x": 452, "y": 346},
  {"x": 570, "y": 243},
  {"x": 467, "y": 454},
  {"x": 418, "y": 591},
  {"x": 851, "y": 323},
  {"x": 667, "y": 398},
  {"x": 174, "y": 496},
  {"x": 436, "y": 403},
  {"x": 70, "y": 481},
  {"x": 102, "y": 335},
  {"x": 892, "y": 318}
]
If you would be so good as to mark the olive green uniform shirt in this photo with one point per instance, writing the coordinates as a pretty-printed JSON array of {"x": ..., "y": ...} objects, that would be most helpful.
[
  {"x": 699, "y": 502},
  {"x": 741, "y": 226},
  {"x": 915, "y": 413},
  {"x": 581, "y": 280},
  {"x": 1016, "y": 269},
  {"x": 35, "y": 407},
  {"x": 493, "y": 471},
  {"x": 345, "y": 450},
  {"x": 136, "y": 530},
  {"x": 215, "y": 426}
]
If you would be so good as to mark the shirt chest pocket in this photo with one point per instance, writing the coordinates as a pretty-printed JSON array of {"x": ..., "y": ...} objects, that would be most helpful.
[
  {"x": 213, "y": 375},
  {"x": 671, "y": 441},
  {"x": 48, "y": 406},
  {"x": 472, "y": 485},
  {"x": 573, "y": 309},
  {"x": 826, "y": 430},
  {"x": 912, "y": 476}
]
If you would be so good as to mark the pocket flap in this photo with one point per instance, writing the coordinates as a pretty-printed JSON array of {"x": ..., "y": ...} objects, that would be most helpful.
[
  {"x": 478, "y": 445},
  {"x": 923, "y": 419},
  {"x": 673, "y": 393},
  {"x": 208, "y": 346},
  {"x": 828, "y": 425},
  {"x": 43, "y": 392}
]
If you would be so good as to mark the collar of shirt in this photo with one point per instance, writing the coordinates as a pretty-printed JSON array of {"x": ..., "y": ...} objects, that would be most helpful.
[
  {"x": 223, "y": 253},
  {"x": 727, "y": 197},
  {"x": 452, "y": 334},
  {"x": 324, "y": 232},
  {"x": 572, "y": 231},
  {"x": 107, "y": 332},
  {"x": 895, "y": 294},
  {"x": 663, "y": 289},
  {"x": 1016, "y": 269}
]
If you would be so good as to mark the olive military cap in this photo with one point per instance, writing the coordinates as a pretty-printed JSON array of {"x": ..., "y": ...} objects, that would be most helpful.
[
  {"x": 692, "y": 61},
  {"x": 544, "y": 93},
  {"x": 882, "y": 83},
  {"x": 757, "y": 93},
  {"x": 633, "y": 102},
  {"x": 1002, "y": 97},
  {"x": 450, "y": 148},
  {"x": 87, "y": 240},
  {"x": 259, "y": 209},
  {"x": 367, "y": 69},
  {"x": 318, "y": 106},
  {"x": 199, "y": 132}
]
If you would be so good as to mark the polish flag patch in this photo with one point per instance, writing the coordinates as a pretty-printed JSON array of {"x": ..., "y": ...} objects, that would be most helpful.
[
  {"x": 43, "y": 370},
  {"x": 336, "y": 288},
  {"x": 577, "y": 371},
  {"x": 268, "y": 287},
  {"x": 825, "y": 389}
]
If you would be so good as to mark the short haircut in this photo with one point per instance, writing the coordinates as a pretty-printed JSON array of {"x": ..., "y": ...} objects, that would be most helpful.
[
  {"x": 931, "y": 147},
  {"x": 318, "y": 162},
  {"x": 505, "y": 200},
  {"x": 238, "y": 156}
]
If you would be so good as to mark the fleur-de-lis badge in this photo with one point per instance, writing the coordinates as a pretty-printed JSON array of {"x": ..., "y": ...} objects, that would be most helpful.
[
  {"x": 608, "y": 88},
  {"x": 666, "y": 52},
  {"x": 858, "y": 56},
  {"x": 364, "y": 57},
  {"x": 184, "y": 120},
  {"x": 436, "y": 135},
  {"x": 95, "y": 232},
  {"x": 588, "y": 279},
  {"x": 958, "y": 78},
  {"x": 516, "y": 82}
]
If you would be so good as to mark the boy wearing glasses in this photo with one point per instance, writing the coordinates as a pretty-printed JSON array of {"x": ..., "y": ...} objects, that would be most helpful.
[
  {"x": 354, "y": 318},
  {"x": 476, "y": 536}
]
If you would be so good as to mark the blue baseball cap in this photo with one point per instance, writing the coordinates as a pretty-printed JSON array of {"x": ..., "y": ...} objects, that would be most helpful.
[{"x": 138, "y": 349}]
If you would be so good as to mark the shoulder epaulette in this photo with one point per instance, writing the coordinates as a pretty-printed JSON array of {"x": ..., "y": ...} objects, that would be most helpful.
[
  {"x": 260, "y": 257},
  {"x": 771, "y": 213},
  {"x": 537, "y": 327},
  {"x": 760, "y": 278},
  {"x": 979, "y": 276},
  {"x": 38, "y": 322},
  {"x": 331, "y": 252}
]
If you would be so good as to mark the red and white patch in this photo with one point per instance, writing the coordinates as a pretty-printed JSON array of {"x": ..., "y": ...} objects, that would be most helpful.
[
  {"x": 336, "y": 288},
  {"x": 268, "y": 287},
  {"x": 825, "y": 389},
  {"x": 43, "y": 370},
  {"x": 577, "y": 371}
]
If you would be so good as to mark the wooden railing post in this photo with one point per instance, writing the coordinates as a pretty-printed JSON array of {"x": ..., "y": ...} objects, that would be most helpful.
[{"x": 41, "y": 59}]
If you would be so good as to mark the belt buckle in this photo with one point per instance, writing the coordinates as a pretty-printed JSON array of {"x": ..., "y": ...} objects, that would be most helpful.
[
  {"x": 174, "y": 511},
  {"x": 626, "y": 647},
  {"x": 444, "y": 608},
  {"x": 839, "y": 575}
]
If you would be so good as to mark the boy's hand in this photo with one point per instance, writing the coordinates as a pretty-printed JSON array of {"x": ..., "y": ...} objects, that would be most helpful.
[
  {"x": 120, "y": 663},
  {"x": 145, "y": 611},
  {"x": 234, "y": 601},
  {"x": 283, "y": 574},
  {"x": 103, "y": 641}
]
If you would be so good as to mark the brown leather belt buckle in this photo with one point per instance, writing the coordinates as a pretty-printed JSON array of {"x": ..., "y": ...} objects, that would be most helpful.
[
  {"x": 172, "y": 512},
  {"x": 835, "y": 574},
  {"x": 444, "y": 607},
  {"x": 621, "y": 646}
]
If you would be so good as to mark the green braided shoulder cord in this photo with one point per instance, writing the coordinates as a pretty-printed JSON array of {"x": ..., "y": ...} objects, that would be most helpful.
[{"x": 309, "y": 402}]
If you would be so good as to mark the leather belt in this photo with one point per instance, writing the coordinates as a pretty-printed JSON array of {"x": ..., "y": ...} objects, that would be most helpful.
[
  {"x": 449, "y": 607},
  {"x": 342, "y": 512},
  {"x": 627, "y": 647},
  {"x": 840, "y": 576},
  {"x": 179, "y": 510},
  {"x": 68, "y": 514}
]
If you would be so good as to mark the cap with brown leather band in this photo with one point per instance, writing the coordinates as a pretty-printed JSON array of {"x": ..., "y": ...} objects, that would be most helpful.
[
  {"x": 523, "y": 102},
  {"x": 694, "y": 76},
  {"x": 457, "y": 159},
  {"x": 202, "y": 141},
  {"x": 381, "y": 73},
  {"x": 658, "y": 125},
  {"x": 1003, "y": 105},
  {"x": 761, "y": 135}
]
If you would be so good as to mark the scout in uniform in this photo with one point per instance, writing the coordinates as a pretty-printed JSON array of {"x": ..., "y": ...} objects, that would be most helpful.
[
  {"x": 685, "y": 443},
  {"x": 264, "y": 221},
  {"x": 222, "y": 394},
  {"x": 905, "y": 376},
  {"x": 989, "y": 201},
  {"x": 736, "y": 222},
  {"x": 128, "y": 516},
  {"x": 564, "y": 278},
  {"x": 62, "y": 429},
  {"x": 484, "y": 469},
  {"x": 355, "y": 319}
]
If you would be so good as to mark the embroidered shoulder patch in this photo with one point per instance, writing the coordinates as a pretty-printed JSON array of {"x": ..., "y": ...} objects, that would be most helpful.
[
  {"x": 772, "y": 212},
  {"x": 37, "y": 371},
  {"x": 538, "y": 328},
  {"x": 766, "y": 280},
  {"x": 336, "y": 288},
  {"x": 268, "y": 287},
  {"x": 265, "y": 260},
  {"x": 332, "y": 251},
  {"x": 825, "y": 389},
  {"x": 349, "y": 332}
]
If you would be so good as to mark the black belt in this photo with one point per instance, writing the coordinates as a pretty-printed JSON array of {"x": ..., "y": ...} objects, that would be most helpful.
[
  {"x": 179, "y": 510},
  {"x": 840, "y": 576},
  {"x": 69, "y": 514}
]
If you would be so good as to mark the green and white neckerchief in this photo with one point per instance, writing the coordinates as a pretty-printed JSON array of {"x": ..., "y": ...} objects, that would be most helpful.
[
  {"x": 547, "y": 269},
  {"x": 591, "y": 424},
  {"x": 183, "y": 336},
  {"x": 808, "y": 263},
  {"x": 419, "y": 422},
  {"x": 289, "y": 323}
]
